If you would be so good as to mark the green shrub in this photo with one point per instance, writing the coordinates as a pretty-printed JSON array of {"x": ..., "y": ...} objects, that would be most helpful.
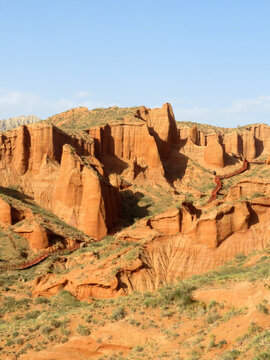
[
  {"x": 32, "y": 314},
  {"x": 118, "y": 314},
  {"x": 221, "y": 343},
  {"x": 262, "y": 308},
  {"x": 212, "y": 341},
  {"x": 138, "y": 348},
  {"x": 262, "y": 356},
  {"x": 213, "y": 317},
  {"x": 231, "y": 355},
  {"x": 55, "y": 323},
  {"x": 46, "y": 330},
  {"x": 239, "y": 258},
  {"x": 83, "y": 330},
  {"x": 179, "y": 294},
  {"x": 20, "y": 341},
  {"x": 41, "y": 300}
]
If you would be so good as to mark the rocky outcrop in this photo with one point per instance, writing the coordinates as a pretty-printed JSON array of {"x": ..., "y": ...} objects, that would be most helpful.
[
  {"x": 232, "y": 143},
  {"x": 190, "y": 243},
  {"x": 249, "y": 147},
  {"x": 162, "y": 126},
  {"x": 249, "y": 188},
  {"x": 137, "y": 148},
  {"x": 251, "y": 141},
  {"x": 5, "y": 214},
  {"x": 210, "y": 242},
  {"x": 128, "y": 147},
  {"x": 193, "y": 134},
  {"x": 168, "y": 222},
  {"x": 93, "y": 283},
  {"x": 82, "y": 199},
  {"x": 35, "y": 233},
  {"x": 213, "y": 153},
  {"x": 31, "y": 158}
]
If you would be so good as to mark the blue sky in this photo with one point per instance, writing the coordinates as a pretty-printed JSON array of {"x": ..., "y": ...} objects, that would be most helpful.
[{"x": 209, "y": 58}]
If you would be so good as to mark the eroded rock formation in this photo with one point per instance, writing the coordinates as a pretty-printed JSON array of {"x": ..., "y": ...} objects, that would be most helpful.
[
  {"x": 31, "y": 158},
  {"x": 79, "y": 178},
  {"x": 213, "y": 153}
]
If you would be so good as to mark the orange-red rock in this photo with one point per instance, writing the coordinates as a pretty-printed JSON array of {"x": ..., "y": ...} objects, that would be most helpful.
[
  {"x": 162, "y": 126},
  {"x": 249, "y": 148},
  {"x": 213, "y": 153},
  {"x": 79, "y": 197},
  {"x": 35, "y": 233},
  {"x": 193, "y": 134},
  {"x": 168, "y": 222},
  {"x": 30, "y": 156},
  {"x": 5, "y": 213}
]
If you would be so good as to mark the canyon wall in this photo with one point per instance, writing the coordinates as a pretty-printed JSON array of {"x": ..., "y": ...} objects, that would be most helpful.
[{"x": 45, "y": 163}]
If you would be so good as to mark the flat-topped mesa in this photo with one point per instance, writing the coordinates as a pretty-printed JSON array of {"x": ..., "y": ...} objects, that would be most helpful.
[{"x": 162, "y": 126}]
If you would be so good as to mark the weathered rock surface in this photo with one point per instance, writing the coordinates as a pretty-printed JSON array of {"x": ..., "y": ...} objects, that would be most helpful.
[
  {"x": 249, "y": 147},
  {"x": 168, "y": 222},
  {"x": 193, "y": 134},
  {"x": 82, "y": 199},
  {"x": 251, "y": 142},
  {"x": 72, "y": 176},
  {"x": 128, "y": 148},
  {"x": 162, "y": 126},
  {"x": 213, "y": 153},
  {"x": 249, "y": 187},
  {"x": 30, "y": 157},
  {"x": 35, "y": 233},
  {"x": 190, "y": 243},
  {"x": 5, "y": 214}
]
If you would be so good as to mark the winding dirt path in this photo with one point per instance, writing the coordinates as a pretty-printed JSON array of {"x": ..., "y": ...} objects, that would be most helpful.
[
  {"x": 37, "y": 259},
  {"x": 218, "y": 179}
]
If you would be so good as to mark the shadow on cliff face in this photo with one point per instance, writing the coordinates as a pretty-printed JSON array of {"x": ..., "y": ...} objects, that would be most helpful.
[
  {"x": 175, "y": 167},
  {"x": 113, "y": 164},
  {"x": 131, "y": 211},
  {"x": 259, "y": 147},
  {"x": 253, "y": 217}
]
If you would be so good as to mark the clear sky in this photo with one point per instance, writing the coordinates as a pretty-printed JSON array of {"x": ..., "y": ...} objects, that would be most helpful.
[{"x": 209, "y": 58}]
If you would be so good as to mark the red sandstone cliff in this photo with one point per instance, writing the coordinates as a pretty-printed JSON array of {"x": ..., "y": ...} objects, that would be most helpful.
[
  {"x": 32, "y": 158},
  {"x": 70, "y": 174}
]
